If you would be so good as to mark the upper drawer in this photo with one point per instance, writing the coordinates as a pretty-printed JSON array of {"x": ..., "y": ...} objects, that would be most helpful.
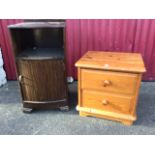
[{"x": 116, "y": 82}]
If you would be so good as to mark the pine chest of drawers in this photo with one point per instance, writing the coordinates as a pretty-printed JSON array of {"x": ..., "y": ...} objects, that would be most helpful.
[{"x": 108, "y": 85}]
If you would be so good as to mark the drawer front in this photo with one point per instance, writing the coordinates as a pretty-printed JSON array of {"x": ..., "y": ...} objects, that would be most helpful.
[
  {"x": 108, "y": 81},
  {"x": 106, "y": 101}
]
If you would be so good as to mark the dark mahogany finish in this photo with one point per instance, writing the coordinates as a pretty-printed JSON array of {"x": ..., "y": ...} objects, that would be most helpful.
[{"x": 39, "y": 50}]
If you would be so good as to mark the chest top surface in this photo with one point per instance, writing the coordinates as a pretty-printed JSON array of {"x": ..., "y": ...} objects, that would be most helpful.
[{"x": 116, "y": 61}]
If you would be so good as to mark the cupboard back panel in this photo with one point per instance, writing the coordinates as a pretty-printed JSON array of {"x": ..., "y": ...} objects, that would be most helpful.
[{"x": 40, "y": 38}]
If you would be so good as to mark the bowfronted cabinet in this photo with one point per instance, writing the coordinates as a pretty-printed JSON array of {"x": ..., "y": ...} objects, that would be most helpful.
[{"x": 39, "y": 51}]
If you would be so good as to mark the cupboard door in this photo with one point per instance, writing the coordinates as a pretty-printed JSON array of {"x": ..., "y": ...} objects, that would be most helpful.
[{"x": 42, "y": 80}]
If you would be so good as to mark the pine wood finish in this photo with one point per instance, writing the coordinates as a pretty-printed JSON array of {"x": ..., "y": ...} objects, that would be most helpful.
[
  {"x": 39, "y": 50},
  {"x": 108, "y": 85}
]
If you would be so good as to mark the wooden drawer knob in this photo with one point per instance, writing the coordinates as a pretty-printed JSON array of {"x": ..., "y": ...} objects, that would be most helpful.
[
  {"x": 105, "y": 102},
  {"x": 106, "y": 83}
]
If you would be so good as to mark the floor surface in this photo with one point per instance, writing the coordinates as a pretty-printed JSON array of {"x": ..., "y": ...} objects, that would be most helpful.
[{"x": 54, "y": 122}]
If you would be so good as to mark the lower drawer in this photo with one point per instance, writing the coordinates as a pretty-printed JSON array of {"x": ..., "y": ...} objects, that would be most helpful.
[{"x": 106, "y": 101}]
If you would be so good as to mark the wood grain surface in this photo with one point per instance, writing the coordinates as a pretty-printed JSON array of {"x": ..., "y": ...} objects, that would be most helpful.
[
  {"x": 116, "y": 61},
  {"x": 118, "y": 82},
  {"x": 42, "y": 80},
  {"x": 106, "y": 101},
  {"x": 108, "y": 85},
  {"x": 39, "y": 52}
]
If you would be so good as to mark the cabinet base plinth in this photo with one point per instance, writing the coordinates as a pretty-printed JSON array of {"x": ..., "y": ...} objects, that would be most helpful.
[
  {"x": 122, "y": 118},
  {"x": 29, "y": 106},
  {"x": 83, "y": 114},
  {"x": 128, "y": 123}
]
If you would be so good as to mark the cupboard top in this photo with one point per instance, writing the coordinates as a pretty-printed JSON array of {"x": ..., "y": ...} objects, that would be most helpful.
[
  {"x": 117, "y": 61},
  {"x": 33, "y": 25}
]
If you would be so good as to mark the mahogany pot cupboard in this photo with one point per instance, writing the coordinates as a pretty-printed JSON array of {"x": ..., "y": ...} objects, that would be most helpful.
[
  {"x": 39, "y": 52},
  {"x": 108, "y": 85}
]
